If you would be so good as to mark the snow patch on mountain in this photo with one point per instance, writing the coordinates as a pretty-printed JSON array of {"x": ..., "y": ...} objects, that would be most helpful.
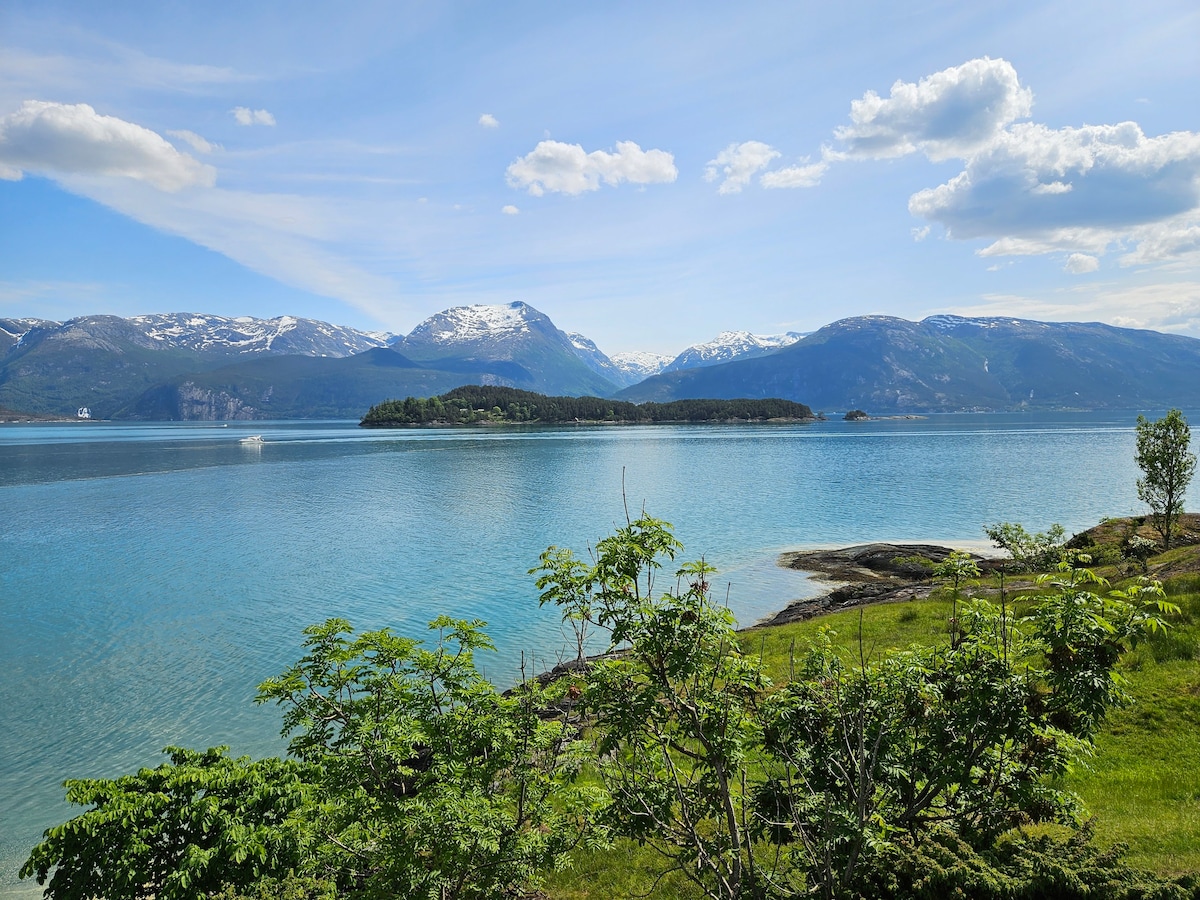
[
  {"x": 465, "y": 324},
  {"x": 640, "y": 364},
  {"x": 949, "y": 323},
  {"x": 730, "y": 345},
  {"x": 14, "y": 330},
  {"x": 245, "y": 334}
]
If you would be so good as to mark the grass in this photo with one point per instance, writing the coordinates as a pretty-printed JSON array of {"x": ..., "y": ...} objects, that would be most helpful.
[
  {"x": 1143, "y": 784},
  {"x": 624, "y": 870}
]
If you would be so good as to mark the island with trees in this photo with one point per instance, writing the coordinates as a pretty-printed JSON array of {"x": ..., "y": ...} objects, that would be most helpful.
[{"x": 483, "y": 405}]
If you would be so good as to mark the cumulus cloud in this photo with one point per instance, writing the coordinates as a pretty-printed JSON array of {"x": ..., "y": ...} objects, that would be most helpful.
[
  {"x": 948, "y": 114},
  {"x": 59, "y": 139},
  {"x": 245, "y": 116},
  {"x": 738, "y": 163},
  {"x": 569, "y": 169},
  {"x": 195, "y": 141},
  {"x": 795, "y": 176},
  {"x": 919, "y": 234},
  {"x": 487, "y": 120},
  {"x": 1081, "y": 264},
  {"x": 1037, "y": 189},
  {"x": 510, "y": 210}
]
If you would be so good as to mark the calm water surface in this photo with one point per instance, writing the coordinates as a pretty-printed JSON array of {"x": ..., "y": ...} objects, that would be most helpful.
[{"x": 152, "y": 575}]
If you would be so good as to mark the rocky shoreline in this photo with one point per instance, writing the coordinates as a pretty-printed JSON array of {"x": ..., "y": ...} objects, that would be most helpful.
[{"x": 863, "y": 574}]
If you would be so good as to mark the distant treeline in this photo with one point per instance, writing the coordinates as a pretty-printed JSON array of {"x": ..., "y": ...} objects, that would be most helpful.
[{"x": 480, "y": 403}]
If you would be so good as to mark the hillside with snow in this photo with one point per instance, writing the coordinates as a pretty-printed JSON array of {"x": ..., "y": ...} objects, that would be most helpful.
[{"x": 728, "y": 346}]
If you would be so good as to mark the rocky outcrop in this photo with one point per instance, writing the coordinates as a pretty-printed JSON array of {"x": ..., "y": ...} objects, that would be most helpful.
[
  {"x": 867, "y": 573},
  {"x": 196, "y": 404}
]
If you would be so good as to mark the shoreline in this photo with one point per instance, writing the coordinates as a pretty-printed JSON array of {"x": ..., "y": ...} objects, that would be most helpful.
[{"x": 864, "y": 574}]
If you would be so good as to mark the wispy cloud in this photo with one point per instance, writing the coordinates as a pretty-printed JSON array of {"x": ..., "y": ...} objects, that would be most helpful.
[
  {"x": 487, "y": 120},
  {"x": 195, "y": 141},
  {"x": 805, "y": 176}
]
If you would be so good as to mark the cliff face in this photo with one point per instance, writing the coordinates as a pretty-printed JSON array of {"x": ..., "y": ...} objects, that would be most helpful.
[{"x": 196, "y": 404}]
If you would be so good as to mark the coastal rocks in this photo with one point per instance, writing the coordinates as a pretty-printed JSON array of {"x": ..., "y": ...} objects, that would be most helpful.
[
  {"x": 871, "y": 562},
  {"x": 869, "y": 573}
]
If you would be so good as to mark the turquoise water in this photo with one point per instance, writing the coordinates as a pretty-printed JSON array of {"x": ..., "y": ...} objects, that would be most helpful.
[{"x": 152, "y": 575}]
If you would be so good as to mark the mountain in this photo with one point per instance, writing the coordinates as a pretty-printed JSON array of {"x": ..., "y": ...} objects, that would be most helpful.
[
  {"x": 600, "y": 363},
  {"x": 292, "y": 387},
  {"x": 189, "y": 366},
  {"x": 103, "y": 362},
  {"x": 513, "y": 345},
  {"x": 638, "y": 365},
  {"x": 945, "y": 363},
  {"x": 12, "y": 330},
  {"x": 728, "y": 346}
]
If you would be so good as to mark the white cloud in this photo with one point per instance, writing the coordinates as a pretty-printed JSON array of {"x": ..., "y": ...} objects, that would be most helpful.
[
  {"x": 299, "y": 241},
  {"x": 738, "y": 163},
  {"x": 246, "y": 116},
  {"x": 919, "y": 234},
  {"x": 1038, "y": 190},
  {"x": 59, "y": 139},
  {"x": 1173, "y": 239},
  {"x": 795, "y": 176},
  {"x": 945, "y": 115},
  {"x": 568, "y": 169},
  {"x": 195, "y": 141},
  {"x": 487, "y": 120},
  {"x": 510, "y": 210},
  {"x": 1081, "y": 264}
]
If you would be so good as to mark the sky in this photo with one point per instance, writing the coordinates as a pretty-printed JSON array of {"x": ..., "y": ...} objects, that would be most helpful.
[{"x": 646, "y": 174}]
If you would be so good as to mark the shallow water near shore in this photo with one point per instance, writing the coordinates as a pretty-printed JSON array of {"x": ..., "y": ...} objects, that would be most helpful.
[{"x": 152, "y": 575}]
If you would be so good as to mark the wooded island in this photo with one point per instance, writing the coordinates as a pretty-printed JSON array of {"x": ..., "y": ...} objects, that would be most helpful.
[{"x": 481, "y": 404}]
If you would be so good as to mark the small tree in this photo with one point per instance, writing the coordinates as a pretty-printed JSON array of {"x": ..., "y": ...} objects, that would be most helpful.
[
  {"x": 1163, "y": 455},
  {"x": 179, "y": 831},
  {"x": 1029, "y": 552},
  {"x": 434, "y": 784},
  {"x": 673, "y": 714}
]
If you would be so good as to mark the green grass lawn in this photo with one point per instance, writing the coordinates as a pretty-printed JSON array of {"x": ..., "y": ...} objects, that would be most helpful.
[{"x": 1143, "y": 784}]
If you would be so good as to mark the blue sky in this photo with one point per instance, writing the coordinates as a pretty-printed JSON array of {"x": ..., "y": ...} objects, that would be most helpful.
[{"x": 647, "y": 174}]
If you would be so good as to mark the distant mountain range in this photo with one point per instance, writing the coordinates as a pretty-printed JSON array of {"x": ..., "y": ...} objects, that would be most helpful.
[
  {"x": 949, "y": 363},
  {"x": 188, "y": 366}
]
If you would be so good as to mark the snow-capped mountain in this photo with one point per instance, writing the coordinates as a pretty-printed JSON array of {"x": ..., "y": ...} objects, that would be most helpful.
[
  {"x": 640, "y": 364},
  {"x": 204, "y": 334},
  {"x": 13, "y": 330},
  {"x": 105, "y": 362},
  {"x": 285, "y": 335},
  {"x": 509, "y": 344},
  {"x": 730, "y": 345},
  {"x": 599, "y": 362},
  {"x": 471, "y": 326}
]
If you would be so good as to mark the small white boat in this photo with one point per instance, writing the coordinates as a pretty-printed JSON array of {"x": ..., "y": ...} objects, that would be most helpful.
[{"x": 252, "y": 439}]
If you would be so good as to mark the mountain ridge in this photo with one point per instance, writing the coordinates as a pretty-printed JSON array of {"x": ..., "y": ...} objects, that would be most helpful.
[
  {"x": 191, "y": 365},
  {"x": 885, "y": 364}
]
